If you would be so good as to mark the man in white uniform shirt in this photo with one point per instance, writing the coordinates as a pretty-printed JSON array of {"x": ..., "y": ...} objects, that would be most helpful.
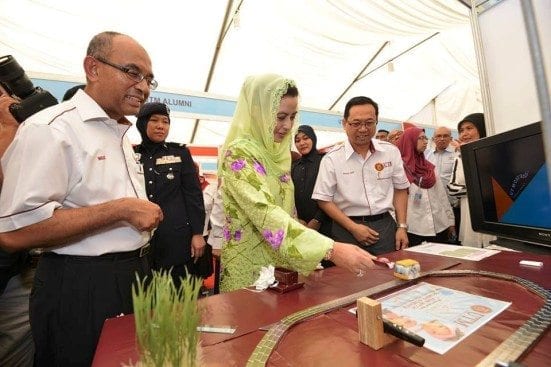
[
  {"x": 361, "y": 181},
  {"x": 442, "y": 155},
  {"x": 72, "y": 186}
]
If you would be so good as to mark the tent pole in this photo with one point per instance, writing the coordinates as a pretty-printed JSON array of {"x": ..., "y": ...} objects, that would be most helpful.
[
  {"x": 215, "y": 58},
  {"x": 538, "y": 65},
  {"x": 360, "y": 73},
  {"x": 400, "y": 54}
]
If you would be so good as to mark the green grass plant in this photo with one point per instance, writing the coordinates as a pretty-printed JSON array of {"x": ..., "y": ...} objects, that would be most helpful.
[{"x": 166, "y": 321}]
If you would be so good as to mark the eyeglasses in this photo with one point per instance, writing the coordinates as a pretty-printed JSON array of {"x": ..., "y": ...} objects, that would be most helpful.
[
  {"x": 422, "y": 138},
  {"x": 357, "y": 124},
  {"x": 446, "y": 136},
  {"x": 131, "y": 73}
]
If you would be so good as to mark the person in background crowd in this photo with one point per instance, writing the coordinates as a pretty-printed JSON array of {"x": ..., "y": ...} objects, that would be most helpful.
[
  {"x": 394, "y": 135},
  {"x": 361, "y": 181},
  {"x": 171, "y": 181},
  {"x": 471, "y": 128},
  {"x": 16, "y": 275},
  {"x": 71, "y": 92},
  {"x": 257, "y": 191},
  {"x": 429, "y": 216},
  {"x": 382, "y": 135},
  {"x": 89, "y": 211},
  {"x": 442, "y": 155},
  {"x": 209, "y": 194},
  {"x": 216, "y": 233},
  {"x": 304, "y": 172}
]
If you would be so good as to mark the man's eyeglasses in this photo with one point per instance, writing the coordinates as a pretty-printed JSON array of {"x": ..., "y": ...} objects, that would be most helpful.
[
  {"x": 133, "y": 74},
  {"x": 446, "y": 136},
  {"x": 357, "y": 124}
]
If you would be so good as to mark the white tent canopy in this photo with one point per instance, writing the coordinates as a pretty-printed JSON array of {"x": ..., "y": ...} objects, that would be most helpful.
[{"x": 334, "y": 49}]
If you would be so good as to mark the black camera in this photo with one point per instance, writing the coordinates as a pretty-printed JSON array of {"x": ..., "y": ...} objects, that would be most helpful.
[{"x": 16, "y": 83}]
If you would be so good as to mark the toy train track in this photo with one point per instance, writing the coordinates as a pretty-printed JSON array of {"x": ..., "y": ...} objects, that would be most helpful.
[{"x": 509, "y": 350}]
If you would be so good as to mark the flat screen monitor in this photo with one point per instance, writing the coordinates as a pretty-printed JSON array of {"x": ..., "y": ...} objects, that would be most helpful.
[{"x": 508, "y": 185}]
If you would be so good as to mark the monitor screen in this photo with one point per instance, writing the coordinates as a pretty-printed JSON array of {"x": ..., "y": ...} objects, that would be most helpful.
[{"x": 508, "y": 185}]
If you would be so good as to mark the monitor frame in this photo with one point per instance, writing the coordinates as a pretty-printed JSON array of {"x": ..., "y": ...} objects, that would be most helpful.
[{"x": 523, "y": 233}]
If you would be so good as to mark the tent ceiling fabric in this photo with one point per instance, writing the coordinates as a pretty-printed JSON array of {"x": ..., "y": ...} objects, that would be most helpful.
[{"x": 323, "y": 45}]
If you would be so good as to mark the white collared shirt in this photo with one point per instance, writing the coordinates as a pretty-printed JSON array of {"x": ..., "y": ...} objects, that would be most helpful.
[
  {"x": 71, "y": 155},
  {"x": 361, "y": 186},
  {"x": 429, "y": 211},
  {"x": 443, "y": 162}
]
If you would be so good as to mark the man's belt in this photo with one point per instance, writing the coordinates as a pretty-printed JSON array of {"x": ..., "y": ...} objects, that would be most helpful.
[
  {"x": 509, "y": 350},
  {"x": 112, "y": 256},
  {"x": 370, "y": 218}
]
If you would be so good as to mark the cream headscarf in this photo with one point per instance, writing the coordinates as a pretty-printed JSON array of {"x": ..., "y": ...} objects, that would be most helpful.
[{"x": 254, "y": 120}]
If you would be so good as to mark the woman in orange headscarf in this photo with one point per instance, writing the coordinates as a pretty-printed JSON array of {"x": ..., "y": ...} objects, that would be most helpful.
[{"x": 429, "y": 215}]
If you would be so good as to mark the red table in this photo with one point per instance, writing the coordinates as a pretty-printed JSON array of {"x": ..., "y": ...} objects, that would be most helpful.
[{"x": 332, "y": 339}]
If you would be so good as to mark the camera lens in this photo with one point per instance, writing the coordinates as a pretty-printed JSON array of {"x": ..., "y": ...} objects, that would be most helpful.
[{"x": 13, "y": 78}]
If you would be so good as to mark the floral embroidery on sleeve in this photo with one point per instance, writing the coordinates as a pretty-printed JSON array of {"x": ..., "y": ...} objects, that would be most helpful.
[{"x": 274, "y": 238}]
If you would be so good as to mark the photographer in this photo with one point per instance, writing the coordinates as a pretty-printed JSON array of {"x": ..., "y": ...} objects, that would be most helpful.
[
  {"x": 8, "y": 125},
  {"x": 16, "y": 343}
]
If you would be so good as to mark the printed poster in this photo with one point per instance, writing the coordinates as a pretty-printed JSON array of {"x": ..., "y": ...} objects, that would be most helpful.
[
  {"x": 458, "y": 252},
  {"x": 442, "y": 316}
]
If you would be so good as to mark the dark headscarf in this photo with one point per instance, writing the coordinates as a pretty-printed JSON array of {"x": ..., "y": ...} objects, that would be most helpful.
[
  {"x": 418, "y": 169},
  {"x": 477, "y": 119},
  {"x": 148, "y": 109},
  {"x": 309, "y": 132}
]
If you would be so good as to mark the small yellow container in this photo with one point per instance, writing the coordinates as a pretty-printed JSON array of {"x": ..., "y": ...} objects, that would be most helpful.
[{"x": 407, "y": 269}]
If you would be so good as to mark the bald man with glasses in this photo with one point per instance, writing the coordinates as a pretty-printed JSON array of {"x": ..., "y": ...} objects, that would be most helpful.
[
  {"x": 73, "y": 187},
  {"x": 442, "y": 154}
]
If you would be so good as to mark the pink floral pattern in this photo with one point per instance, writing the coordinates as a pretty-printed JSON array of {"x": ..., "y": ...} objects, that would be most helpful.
[
  {"x": 238, "y": 165},
  {"x": 274, "y": 238},
  {"x": 285, "y": 178},
  {"x": 259, "y": 168}
]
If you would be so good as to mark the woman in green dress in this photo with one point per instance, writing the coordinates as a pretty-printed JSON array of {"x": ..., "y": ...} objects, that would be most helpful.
[{"x": 260, "y": 226}]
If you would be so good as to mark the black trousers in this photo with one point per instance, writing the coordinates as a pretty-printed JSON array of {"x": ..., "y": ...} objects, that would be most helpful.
[
  {"x": 71, "y": 298},
  {"x": 385, "y": 226}
]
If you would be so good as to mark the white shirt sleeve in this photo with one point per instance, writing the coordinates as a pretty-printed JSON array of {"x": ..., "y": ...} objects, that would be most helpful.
[
  {"x": 215, "y": 238},
  {"x": 37, "y": 176},
  {"x": 326, "y": 182}
]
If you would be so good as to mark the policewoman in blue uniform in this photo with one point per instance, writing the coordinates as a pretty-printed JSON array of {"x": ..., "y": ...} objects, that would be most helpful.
[{"x": 172, "y": 183}]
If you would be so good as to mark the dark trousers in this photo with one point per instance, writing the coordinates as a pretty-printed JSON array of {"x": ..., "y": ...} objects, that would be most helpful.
[
  {"x": 457, "y": 214},
  {"x": 384, "y": 225},
  {"x": 71, "y": 298},
  {"x": 179, "y": 272}
]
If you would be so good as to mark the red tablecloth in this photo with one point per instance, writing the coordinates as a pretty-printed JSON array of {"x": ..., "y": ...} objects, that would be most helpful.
[{"x": 332, "y": 339}]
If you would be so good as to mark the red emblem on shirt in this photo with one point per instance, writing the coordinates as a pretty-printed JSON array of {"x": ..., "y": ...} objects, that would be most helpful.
[
  {"x": 379, "y": 167},
  {"x": 101, "y": 157}
]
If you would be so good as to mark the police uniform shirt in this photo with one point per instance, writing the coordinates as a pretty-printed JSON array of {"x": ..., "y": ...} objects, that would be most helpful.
[
  {"x": 71, "y": 155},
  {"x": 361, "y": 186},
  {"x": 171, "y": 182}
]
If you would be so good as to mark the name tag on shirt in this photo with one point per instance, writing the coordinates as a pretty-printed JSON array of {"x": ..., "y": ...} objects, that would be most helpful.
[{"x": 168, "y": 159}]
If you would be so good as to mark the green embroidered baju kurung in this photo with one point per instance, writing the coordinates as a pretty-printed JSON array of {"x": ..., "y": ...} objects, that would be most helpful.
[{"x": 260, "y": 226}]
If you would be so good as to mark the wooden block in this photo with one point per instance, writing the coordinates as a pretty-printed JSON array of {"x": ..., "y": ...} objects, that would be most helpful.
[
  {"x": 370, "y": 324},
  {"x": 286, "y": 276}
]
